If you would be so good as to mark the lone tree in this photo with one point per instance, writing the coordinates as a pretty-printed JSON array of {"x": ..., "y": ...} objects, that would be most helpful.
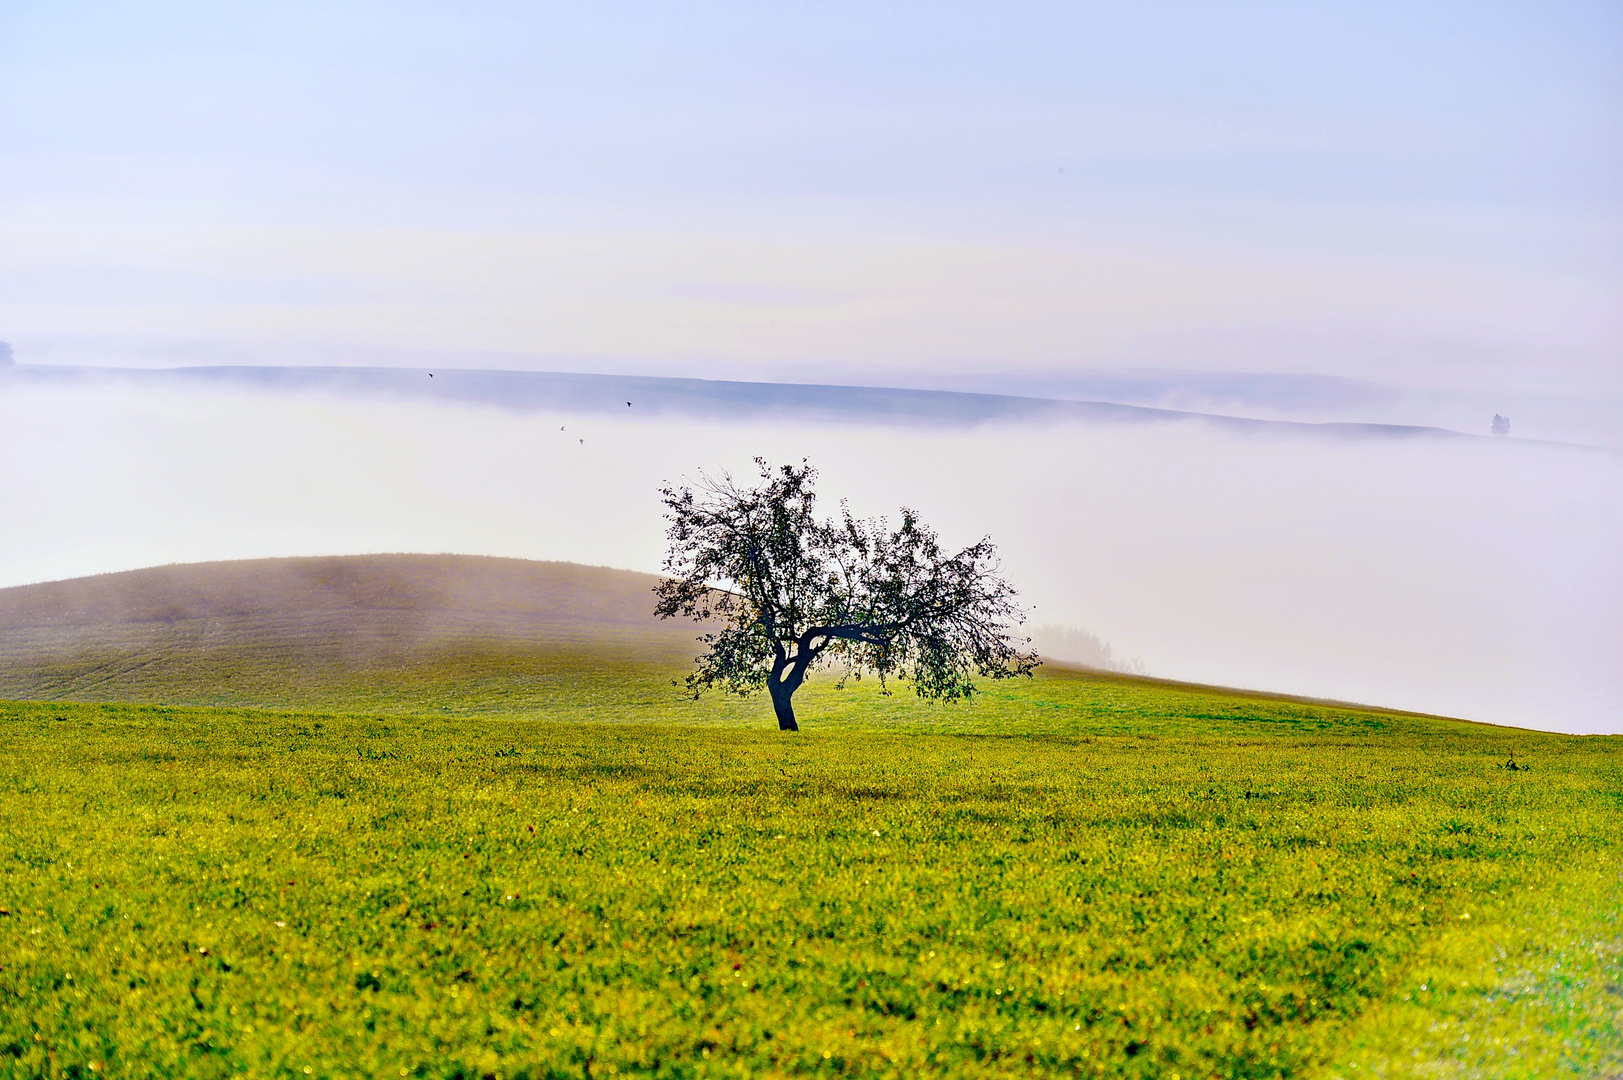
[{"x": 792, "y": 592}]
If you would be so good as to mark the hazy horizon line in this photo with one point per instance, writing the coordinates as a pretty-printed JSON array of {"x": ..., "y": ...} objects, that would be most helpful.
[{"x": 705, "y": 395}]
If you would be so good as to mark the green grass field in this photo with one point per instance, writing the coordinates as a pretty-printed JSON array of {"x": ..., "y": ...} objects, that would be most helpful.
[{"x": 507, "y": 863}]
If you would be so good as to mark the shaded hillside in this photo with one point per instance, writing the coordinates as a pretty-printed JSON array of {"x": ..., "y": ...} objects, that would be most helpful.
[{"x": 295, "y": 631}]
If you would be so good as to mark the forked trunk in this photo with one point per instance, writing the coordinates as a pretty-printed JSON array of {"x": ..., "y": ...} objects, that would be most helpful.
[{"x": 781, "y": 693}]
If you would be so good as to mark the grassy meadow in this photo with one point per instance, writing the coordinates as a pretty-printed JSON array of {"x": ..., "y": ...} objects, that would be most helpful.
[{"x": 492, "y": 866}]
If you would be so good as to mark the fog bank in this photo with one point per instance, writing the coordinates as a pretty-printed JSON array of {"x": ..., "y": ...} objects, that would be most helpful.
[{"x": 1476, "y": 578}]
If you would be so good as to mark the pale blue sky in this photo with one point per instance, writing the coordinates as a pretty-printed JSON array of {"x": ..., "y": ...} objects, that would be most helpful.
[
  {"x": 668, "y": 104},
  {"x": 1424, "y": 194}
]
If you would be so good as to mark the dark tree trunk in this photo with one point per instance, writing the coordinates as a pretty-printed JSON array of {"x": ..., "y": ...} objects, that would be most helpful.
[
  {"x": 787, "y": 674},
  {"x": 781, "y": 705},
  {"x": 785, "y": 679}
]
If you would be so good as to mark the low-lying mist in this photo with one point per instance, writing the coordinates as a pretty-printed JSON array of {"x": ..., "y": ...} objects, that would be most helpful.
[
  {"x": 1474, "y": 578},
  {"x": 1074, "y": 646}
]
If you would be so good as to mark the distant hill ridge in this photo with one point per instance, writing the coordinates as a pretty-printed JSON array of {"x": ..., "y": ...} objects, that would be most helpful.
[
  {"x": 275, "y": 631},
  {"x": 705, "y": 399},
  {"x": 437, "y": 592}
]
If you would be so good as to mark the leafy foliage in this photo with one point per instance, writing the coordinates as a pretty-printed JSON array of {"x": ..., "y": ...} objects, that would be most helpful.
[{"x": 794, "y": 591}]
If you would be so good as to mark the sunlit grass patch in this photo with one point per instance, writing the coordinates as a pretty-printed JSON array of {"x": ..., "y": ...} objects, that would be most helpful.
[{"x": 1139, "y": 892}]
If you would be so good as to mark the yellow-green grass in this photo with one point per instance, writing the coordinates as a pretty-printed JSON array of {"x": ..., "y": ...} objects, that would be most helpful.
[{"x": 436, "y": 873}]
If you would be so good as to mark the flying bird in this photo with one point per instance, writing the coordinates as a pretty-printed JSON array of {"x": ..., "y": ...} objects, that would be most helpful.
[{"x": 628, "y": 404}]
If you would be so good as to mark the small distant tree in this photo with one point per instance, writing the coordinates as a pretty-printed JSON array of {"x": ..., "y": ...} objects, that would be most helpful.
[{"x": 792, "y": 592}]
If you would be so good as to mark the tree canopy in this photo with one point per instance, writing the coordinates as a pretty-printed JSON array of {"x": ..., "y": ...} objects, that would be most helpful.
[{"x": 791, "y": 592}]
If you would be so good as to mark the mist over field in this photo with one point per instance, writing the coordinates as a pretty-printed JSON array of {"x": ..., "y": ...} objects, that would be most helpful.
[{"x": 1471, "y": 577}]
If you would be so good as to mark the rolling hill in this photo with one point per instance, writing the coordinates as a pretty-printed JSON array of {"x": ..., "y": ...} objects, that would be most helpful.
[
  {"x": 293, "y": 632},
  {"x": 1082, "y": 869},
  {"x": 477, "y": 635}
]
